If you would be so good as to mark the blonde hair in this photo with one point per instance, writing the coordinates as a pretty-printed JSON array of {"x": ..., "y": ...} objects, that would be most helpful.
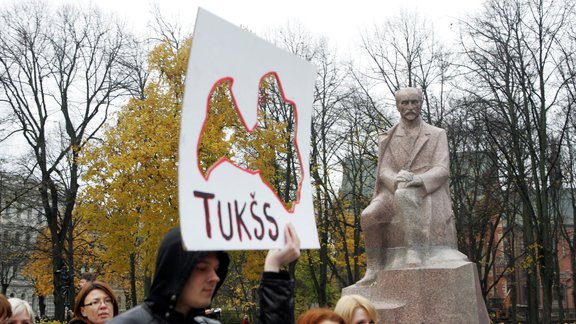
[
  {"x": 349, "y": 303},
  {"x": 18, "y": 306}
]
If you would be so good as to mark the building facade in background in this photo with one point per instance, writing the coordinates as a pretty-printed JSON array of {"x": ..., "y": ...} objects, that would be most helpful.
[{"x": 21, "y": 220}]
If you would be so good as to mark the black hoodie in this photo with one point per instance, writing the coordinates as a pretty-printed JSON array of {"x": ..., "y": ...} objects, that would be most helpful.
[{"x": 173, "y": 268}]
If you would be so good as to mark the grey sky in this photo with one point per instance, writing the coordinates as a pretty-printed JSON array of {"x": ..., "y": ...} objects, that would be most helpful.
[{"x": 340, "y": 21}]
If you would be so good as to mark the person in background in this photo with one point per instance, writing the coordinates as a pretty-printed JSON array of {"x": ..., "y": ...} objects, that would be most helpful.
[
  {"x": 245, "y": 320},
  {"x": 356, "y": 309},
  {"x": 5, "y": 309},
  {"x": 96, "y": 303},
  {"x": 320, "y": 316},
  {"x": 85, "y": 278},
  {"x": 21, "y": 312},
  {"x": 185, "y": 282}
]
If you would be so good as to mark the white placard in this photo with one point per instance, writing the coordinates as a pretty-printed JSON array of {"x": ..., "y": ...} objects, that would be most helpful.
[{"x": 230, "y": 207}]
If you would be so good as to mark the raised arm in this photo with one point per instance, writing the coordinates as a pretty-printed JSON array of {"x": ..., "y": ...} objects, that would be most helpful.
[{"x": 276, "y": 287}]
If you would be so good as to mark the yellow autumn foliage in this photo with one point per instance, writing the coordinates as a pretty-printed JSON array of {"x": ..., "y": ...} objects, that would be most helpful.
[
  {"x": 131, "y": 199},
  {"x": 347, "y": 242},
  {"x": 35, "y": 269},
  {"x": 86, "y": 252}
]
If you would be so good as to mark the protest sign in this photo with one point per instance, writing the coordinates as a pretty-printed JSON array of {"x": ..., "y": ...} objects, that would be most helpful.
[{"x": 244, "y": 142}]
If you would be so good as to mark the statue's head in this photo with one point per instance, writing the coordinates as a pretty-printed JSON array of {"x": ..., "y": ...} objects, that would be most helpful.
[{"x": 409, "y": 103}]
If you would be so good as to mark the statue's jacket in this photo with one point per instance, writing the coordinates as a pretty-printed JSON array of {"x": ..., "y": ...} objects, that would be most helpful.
[{"x": 429, "y": 159}]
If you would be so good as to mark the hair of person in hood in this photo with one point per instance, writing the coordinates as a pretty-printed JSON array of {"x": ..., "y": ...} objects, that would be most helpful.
[
  {"x": 21, "y": 307},
  {"x": 5, "y": 309},
  {"x": 320, "y": 316},
  {"x": 174, "y": 266},
  {"x": 81, "y": 301}
]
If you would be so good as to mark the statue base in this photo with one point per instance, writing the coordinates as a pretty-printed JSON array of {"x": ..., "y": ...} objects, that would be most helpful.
[{"x": 444, "y": 293}]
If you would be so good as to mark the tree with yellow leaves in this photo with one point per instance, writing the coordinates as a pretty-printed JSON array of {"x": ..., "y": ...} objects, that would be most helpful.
[
  {"x": 131, "y": 199},
  {"x": 86, "y": 250}
]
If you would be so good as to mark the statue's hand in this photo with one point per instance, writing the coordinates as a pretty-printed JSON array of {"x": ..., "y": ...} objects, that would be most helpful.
[
  {"x": 404, "y": 176},
  {"x": 415, "y": 182}
]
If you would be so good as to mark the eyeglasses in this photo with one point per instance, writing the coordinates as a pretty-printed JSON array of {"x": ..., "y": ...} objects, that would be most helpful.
[{"x": 98, "y": 302}]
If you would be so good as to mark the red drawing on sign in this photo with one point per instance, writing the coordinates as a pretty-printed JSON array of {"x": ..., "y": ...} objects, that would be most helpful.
[{"x": 267, "y": 148}]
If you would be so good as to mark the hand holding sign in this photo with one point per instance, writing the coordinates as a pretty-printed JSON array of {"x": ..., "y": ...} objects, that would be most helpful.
[{"x": 278, "y": 258}]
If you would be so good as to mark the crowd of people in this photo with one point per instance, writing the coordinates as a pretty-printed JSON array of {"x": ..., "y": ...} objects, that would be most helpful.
[{"x": 184, "y": 284}]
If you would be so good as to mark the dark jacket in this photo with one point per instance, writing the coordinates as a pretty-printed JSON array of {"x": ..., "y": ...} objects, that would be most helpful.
[
  {"x": 276, "y": 298},
  {"x": 173, "y": 268}
]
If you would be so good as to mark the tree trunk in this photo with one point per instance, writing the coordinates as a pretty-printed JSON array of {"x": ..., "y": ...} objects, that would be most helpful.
[
  {"x": 531, "y": 270},
  {"x": 42, "y": 306},
  {"x": 558, "y": 290},
  {"x": 133, "y": 298}
]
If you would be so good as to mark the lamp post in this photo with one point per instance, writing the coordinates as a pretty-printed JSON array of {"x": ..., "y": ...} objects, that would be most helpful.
[{"x": 66, "y": 279}]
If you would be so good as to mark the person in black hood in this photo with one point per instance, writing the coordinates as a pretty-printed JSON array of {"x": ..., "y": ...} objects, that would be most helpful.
[{"x": 185, "y": 282}]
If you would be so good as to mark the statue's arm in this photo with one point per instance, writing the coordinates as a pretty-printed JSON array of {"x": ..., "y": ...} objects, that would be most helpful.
[
  {"x": 386, "y": 175},
  {"x": 440, "y": 171}
]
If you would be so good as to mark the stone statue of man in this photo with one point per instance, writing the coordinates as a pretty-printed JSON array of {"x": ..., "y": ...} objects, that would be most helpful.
[{"x": 409, "y": 222}]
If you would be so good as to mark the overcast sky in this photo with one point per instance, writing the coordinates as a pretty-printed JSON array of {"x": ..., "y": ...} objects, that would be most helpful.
[
  {"x": 333, "y": 18},
  {"x": 340, "y": 21}
]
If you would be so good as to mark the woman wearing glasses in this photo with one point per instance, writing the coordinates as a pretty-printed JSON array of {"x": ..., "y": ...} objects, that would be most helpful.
[{"x": 95, "y": 304}]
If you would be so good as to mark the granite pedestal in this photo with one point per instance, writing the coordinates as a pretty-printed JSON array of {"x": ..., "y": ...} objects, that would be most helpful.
[{"x": 444, "y": 293}]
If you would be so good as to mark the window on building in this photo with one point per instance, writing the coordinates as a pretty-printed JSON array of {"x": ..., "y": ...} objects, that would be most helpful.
[
  {"x": 8, "y": 213},
  {"x": 562, "y": 292}
]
